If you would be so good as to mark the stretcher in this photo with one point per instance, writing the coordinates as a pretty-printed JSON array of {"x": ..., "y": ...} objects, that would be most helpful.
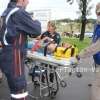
[
  {"x": 61, "y": 69},
  {"x": 51, "y": 59}
]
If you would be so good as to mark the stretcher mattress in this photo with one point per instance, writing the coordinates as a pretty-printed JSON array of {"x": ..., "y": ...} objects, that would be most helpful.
[{"x": 50, "y": 59}]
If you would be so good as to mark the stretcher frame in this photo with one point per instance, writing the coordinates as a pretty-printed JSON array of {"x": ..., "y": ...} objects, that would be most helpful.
[{"x": 56, "y": 64}]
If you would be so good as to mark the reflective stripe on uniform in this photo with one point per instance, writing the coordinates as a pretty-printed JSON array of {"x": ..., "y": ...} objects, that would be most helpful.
[
  {"x": 7, "y": 18},
  {"x": 19, "y": 96}
]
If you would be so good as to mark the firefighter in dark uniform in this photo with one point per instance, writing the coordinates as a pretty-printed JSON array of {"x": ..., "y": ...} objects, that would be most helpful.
[
  {"x": 55, "y": 36},
  {"x": 17, "y": 24},
  {"x": 51, "y": 33}
]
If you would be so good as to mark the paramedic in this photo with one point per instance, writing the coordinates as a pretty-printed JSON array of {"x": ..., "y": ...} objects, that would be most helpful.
[
  {"x": 51, "y": 33},
  {"x": 17, "y": 24},
  {"x": 94, "y": 49}
]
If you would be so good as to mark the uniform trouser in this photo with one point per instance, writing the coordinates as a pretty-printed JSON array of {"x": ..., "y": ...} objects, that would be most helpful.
[
  {"x": 12, "y": 65},
  {"x": 95, "y": 89}
]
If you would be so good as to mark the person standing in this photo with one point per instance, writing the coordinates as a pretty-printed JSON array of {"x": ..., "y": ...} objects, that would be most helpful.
[
  {"x": 94, "y": 50},
  {"x": 17, "y": 24},
  {"x": 56, "y": 38},
  {"x": 51, "y": 33}
]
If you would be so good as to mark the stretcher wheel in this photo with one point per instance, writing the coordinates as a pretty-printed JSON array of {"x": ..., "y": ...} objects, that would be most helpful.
[
  {"x": 78, "y": 74},
  {"x": 90, "y": 85},
  {"x": 70, "y": 73},
  {"x": 74, "y": 65},
  {"x": 53, "y": 94},
  {"x": 63, "y": 84}
]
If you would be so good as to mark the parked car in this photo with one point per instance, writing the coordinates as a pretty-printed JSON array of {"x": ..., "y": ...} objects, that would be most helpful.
[{"x": 89, "y": 34}]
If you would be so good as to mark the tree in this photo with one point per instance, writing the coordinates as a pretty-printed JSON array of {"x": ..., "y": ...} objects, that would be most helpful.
[{"x": 84, "y": 10}]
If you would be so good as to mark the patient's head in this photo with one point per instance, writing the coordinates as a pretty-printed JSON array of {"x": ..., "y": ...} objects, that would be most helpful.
[
  {"x": 50, "y": 48},
  {"x": 66, "y": 45}
]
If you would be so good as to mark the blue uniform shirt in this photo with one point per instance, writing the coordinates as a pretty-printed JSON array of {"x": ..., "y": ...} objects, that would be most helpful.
[{"x": 95, "y": 38}]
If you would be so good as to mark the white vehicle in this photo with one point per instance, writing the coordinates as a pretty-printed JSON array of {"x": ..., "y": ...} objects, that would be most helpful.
[
  {"x": 77, "y": 34},
  {"x": 89, "y": 34}
]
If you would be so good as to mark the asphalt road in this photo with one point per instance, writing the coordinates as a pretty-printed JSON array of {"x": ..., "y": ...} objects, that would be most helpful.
[{"x": 77, "y": 88}]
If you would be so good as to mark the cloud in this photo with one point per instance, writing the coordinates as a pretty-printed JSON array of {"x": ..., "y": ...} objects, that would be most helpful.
[{"x": 59, "y": 8}]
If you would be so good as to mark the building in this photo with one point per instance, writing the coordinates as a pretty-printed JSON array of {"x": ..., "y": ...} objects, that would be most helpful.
[{"x": 43, "y": 15}]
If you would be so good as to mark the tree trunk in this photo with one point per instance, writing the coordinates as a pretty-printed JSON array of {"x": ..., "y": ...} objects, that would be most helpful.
[
  {"x": 82, "y": 30},
  {"x": 83, "y": 20}
]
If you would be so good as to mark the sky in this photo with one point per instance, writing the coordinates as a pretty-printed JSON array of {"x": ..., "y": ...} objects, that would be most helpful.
[{"x": 59, "y": 8}]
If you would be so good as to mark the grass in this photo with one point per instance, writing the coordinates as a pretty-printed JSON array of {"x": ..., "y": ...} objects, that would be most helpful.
[{"x": 80, "y": 44}]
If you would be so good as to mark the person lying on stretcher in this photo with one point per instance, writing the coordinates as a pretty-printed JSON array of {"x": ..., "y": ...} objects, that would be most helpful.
[
  {"x": 65, "y": 51},
  {"x": 47, "y": 46}
]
